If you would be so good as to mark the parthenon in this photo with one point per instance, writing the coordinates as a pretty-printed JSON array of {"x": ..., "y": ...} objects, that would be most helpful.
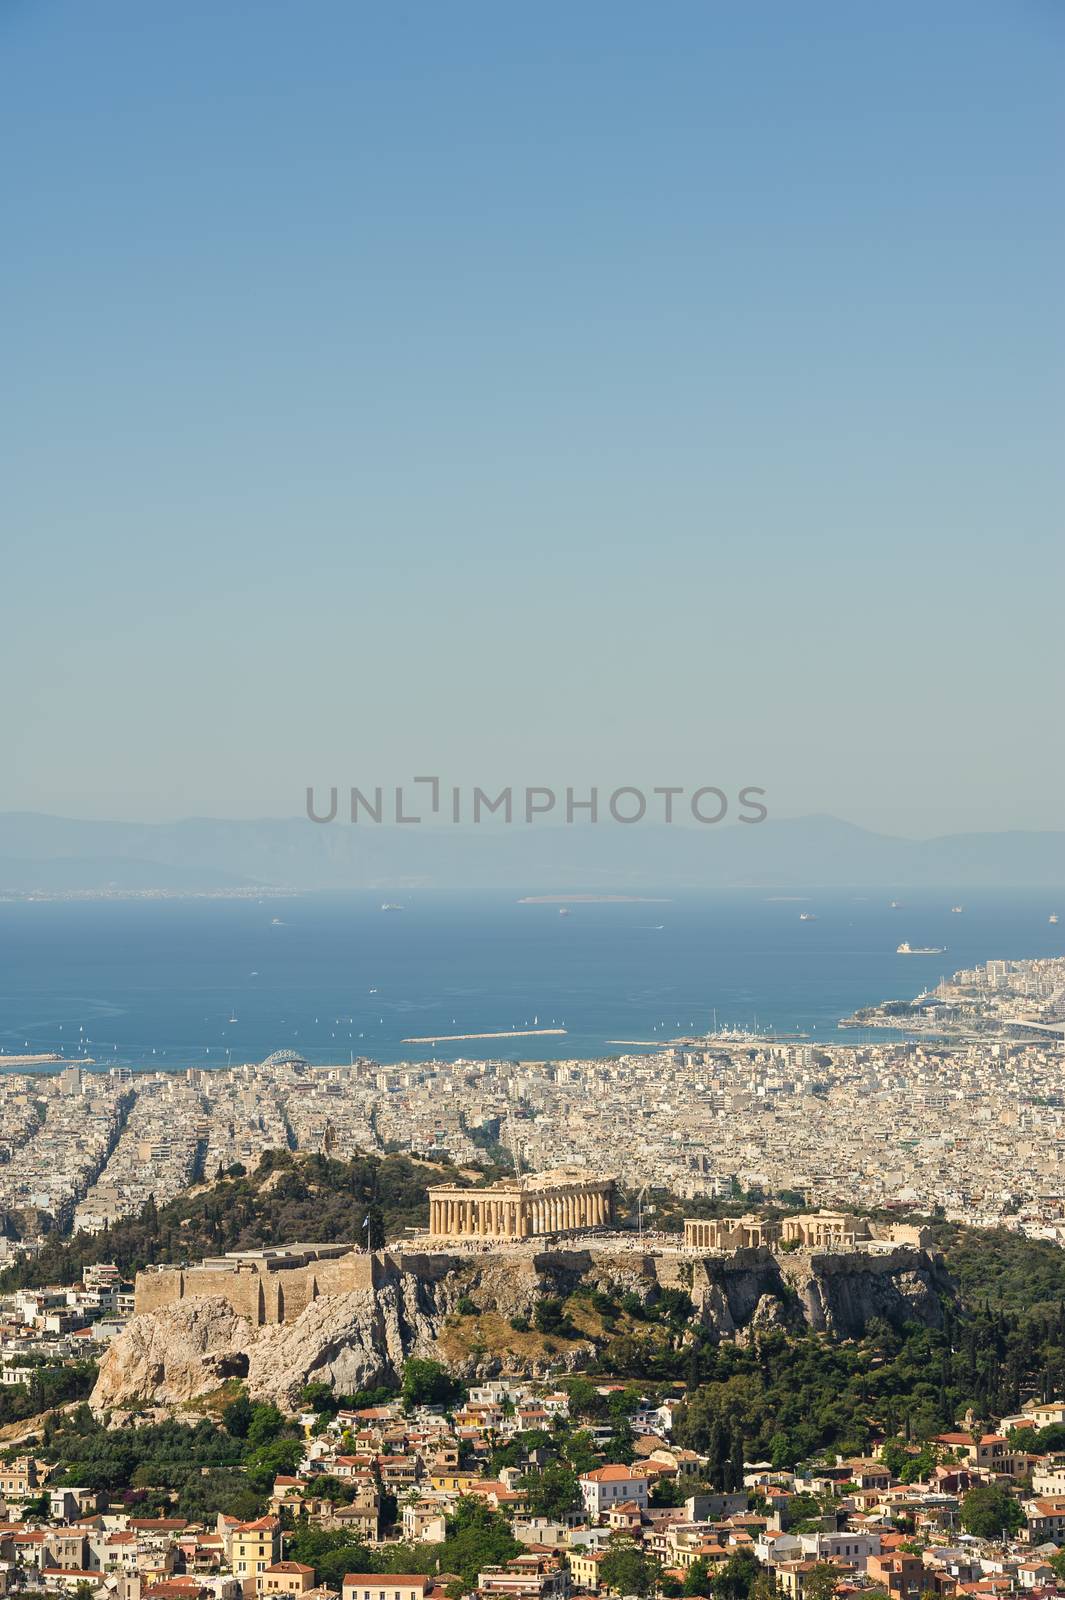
[{"x": 565, "y": 1200}]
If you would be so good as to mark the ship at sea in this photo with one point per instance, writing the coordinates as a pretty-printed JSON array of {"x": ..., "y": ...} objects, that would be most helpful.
[
  {"x": 1053, "y": 917},
  {"x": 905, "y": 949},
  {"x": 807, "y": 916}
]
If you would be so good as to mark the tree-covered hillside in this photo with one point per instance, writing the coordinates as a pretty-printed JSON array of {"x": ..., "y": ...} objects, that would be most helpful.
[
  {"x": 1002, "y": 1268},
  {"x": 287, "y": 1199}
]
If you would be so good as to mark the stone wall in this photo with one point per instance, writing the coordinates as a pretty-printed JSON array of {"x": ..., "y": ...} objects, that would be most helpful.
[{"x": 264, "y": 1293}]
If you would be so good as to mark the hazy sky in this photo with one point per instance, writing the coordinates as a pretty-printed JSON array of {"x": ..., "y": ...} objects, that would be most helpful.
[{"x": 550, "y": 392}]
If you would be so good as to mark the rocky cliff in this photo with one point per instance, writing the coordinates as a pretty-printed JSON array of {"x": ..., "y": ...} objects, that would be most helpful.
[
  {"x": 840, "y": 1293},
  {"x": 358, "y": 1339}
]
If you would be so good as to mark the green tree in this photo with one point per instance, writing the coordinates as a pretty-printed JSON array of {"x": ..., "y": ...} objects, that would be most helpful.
[
  {"x": 764, "y": 1587},
  {"x": 584, "y": 1399},
  {"x": 988, "y": 1511},
  {"x": 627, "y": 1570},
  {"x": 735, "y": 1580},
  {"x": 580, "y": 1451},
  {"x": 428, "y": 1383},
  {"x": 697, "y": 1577},
  {"x": 265, "y": 1425},
  {"x": 236, "y": 1416},
  {"x": 277, "y": 1456},
  {"x": 554, "y": 1491},
  {"x": 477, "y": 1537},
  {"x": 820, "y": 1582},
  {"x": 319, "y": 1397}
]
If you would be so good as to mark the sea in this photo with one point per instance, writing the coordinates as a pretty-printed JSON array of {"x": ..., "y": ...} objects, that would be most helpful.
[{"x": 172, "y": 983}]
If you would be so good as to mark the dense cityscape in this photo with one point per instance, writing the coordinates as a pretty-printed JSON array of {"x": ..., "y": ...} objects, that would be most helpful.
[
  {"x": 443, "y": 1470},
  {"x": 971, "y": 1126}
]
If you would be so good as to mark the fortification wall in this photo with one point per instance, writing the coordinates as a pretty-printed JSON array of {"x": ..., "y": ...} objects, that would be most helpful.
[
  {"x": 262, "y": 1293},
  {"x": 154, "y": 1290},
  {"x": 341, "y": 1276}
]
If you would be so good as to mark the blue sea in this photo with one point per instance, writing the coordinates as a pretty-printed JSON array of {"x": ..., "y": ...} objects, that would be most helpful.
[{"x": 176, "y": 983}]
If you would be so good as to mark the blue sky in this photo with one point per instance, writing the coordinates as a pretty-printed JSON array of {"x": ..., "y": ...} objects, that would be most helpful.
[{"x": 601, "y": 393}]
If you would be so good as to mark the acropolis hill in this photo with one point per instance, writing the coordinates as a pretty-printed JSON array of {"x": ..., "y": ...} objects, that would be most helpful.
[{"x": 286, "y": 1315}]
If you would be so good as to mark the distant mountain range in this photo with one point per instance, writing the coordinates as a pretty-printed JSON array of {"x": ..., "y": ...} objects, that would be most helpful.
[{"x": 58, "y": 854}]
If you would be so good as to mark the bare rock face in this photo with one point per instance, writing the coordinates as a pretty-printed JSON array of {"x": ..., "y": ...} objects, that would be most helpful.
[
  {"x": 171, "y": 1357},
  {"x": 840, "y": 1293},
  {"x": 353, "y": 1341},
  {"x": 188, "y": 1349}
]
